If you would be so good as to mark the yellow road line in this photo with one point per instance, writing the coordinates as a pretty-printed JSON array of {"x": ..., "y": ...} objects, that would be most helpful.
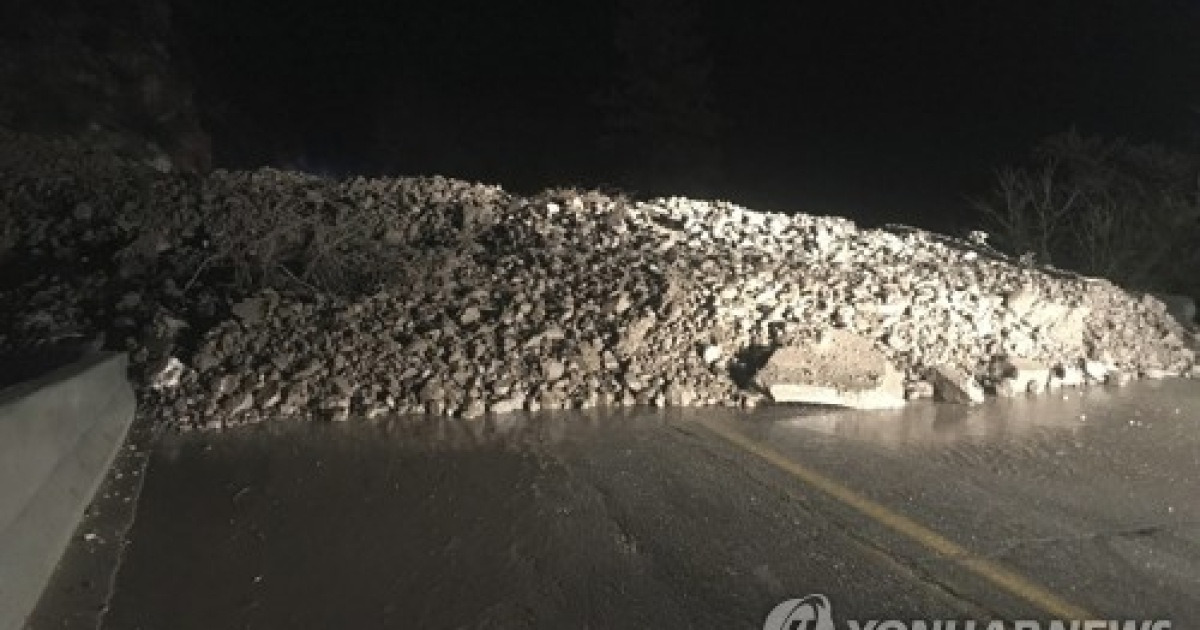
[{"x": 984, "y": 568}]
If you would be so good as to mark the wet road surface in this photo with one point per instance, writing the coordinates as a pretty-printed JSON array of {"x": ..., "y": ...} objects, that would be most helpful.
[{"x": 1086, "y": 503}]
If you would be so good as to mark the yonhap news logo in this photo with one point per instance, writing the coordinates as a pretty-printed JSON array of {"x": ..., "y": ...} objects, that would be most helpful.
[
  {"x": 807, "y": 613},
  {"x": 813, "y": 612}
]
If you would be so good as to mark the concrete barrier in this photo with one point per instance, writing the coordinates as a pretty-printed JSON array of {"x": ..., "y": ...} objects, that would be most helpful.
[{"x": 58, "y": 436}]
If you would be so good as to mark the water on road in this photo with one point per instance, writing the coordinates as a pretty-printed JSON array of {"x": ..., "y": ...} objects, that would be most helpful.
[{"x": 1077, "y": 503}]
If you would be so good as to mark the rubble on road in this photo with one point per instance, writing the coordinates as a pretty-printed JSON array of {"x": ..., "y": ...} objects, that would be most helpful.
[
  {"x": 287, "y": 295},
  {"x": 838, "y": 368}
]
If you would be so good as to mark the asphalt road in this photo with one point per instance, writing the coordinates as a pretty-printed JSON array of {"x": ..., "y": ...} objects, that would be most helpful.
[{"x": 1083, "y": 505}]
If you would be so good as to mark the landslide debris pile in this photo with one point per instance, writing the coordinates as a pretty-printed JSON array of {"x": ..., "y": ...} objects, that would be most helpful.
[{"x": 246, "y": 296}]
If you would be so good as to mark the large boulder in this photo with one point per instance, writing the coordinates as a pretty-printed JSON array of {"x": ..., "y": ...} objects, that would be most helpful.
[{"x": 840, "y": 368}]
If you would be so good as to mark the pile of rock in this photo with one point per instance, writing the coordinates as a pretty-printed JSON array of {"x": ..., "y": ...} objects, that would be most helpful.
[{"x": 466, "y": 300}]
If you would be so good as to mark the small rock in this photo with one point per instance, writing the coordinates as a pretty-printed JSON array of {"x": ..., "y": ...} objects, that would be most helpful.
[
  {"x": 225, "y": 384},
  {"x": 635, "y": 333},
  {"x": 269, "y": 396},
  {"x": 168, "y": 376},
  {"x": 128, "y": 302},
  {"x": 474, "y": 408},
  {"x": 751, "y": 400},
  {"x": 508, "y": 405},
  {"x": 550, "y": 399},
  {"x": 251, "y": 310},
  {"x": 432, "y": 391},
  {"x": 338, "y": 413},
  {"x": 1069, "y": 376},
  {"x": 844, "y": 316},
  {"x": 1021, "y": 301},
  {"x": 297, "y": 397},
  {"x": 237, "y": 404},
  {"x": 1006, "y": 388},
  {"x": 954, "y": 386},
  {"x": 918, "y": 390},
  {"x": 343, "y": 385},
  {"x": 552, "y": 370},
  {"x": 673, "y": 394},
  {"x": 1118, "y": 378},
  {"x": 83, "y": 211},
  {"x": 1096, "y": 370}
]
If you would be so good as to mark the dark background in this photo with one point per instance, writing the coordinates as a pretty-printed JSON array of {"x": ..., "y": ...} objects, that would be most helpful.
[{"x": 880, "y": 111}]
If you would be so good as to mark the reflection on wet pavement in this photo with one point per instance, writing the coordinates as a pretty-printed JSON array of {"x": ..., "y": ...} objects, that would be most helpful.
[{"x": 642, "y": 518}]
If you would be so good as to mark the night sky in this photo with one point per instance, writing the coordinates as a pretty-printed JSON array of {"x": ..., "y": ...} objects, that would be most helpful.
[{"x": 881, "y": 111}]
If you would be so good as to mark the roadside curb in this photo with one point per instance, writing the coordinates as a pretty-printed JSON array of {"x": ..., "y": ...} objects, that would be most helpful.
[{"x": 59, "y": 434}]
